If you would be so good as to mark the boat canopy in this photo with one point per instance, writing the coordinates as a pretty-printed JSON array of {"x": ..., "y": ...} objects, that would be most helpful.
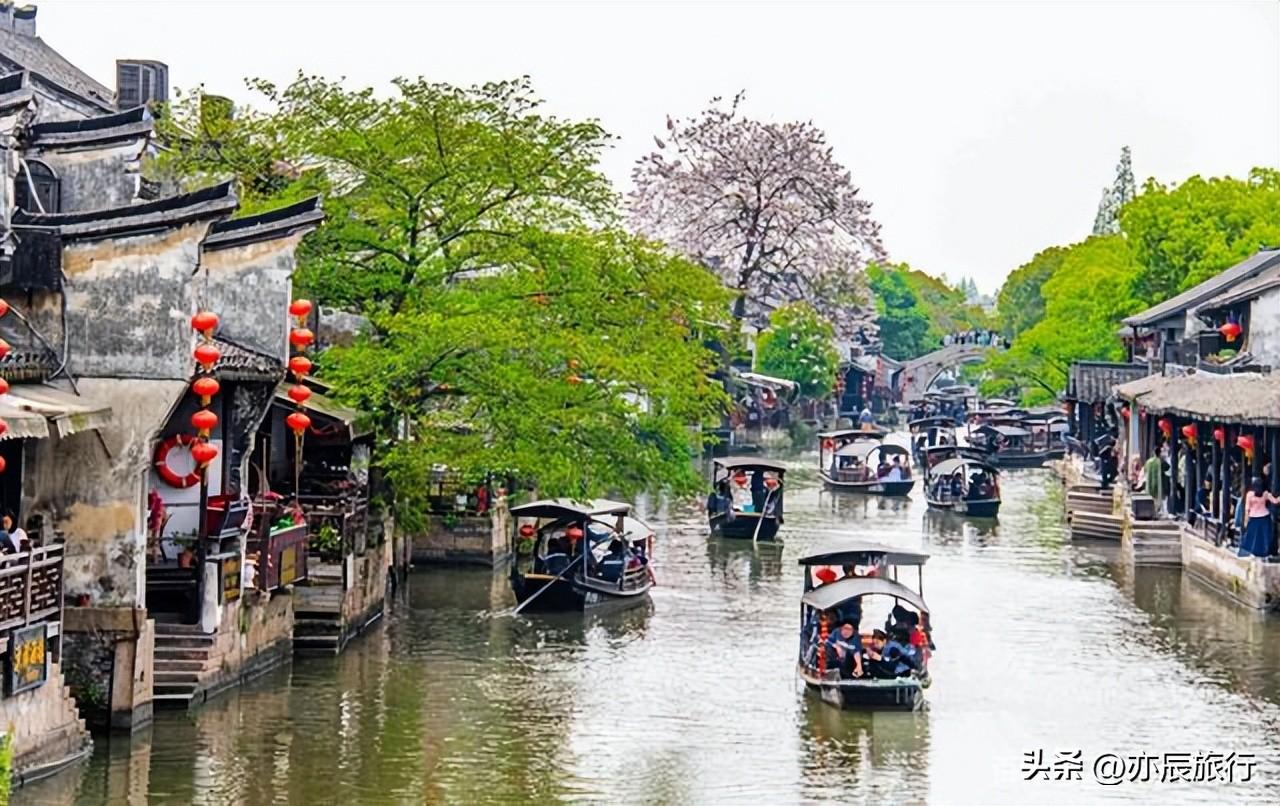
[
  {"x": 1059, "y": 426},
  {"x": 825, "y": 597},
  {"x": 864, "y": 552},
  {"x": 557, "y": 508},
  {"x": 959, "y": 450},
  {"x": 853, "y": 434},
  {"x": 932, "y": 422},
  {"x": 750, "y": 463},
  {"x": 949, "y": 466},
  {"x": 635, "y": 530},
  {"x": 1006, "y": 430},
  {"x": 863, "y": 450},
  {"x": 998, "y": 403}
]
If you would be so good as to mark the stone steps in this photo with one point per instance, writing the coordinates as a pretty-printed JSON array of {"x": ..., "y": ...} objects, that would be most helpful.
[
  {"x": 1097, "y": 526},
  {"x": 181, "y": 656}
]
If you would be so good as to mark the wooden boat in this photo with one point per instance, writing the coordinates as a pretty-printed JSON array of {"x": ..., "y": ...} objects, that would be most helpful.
[
  {"x": 928, "y": 432},
  {"x": 1048, "y": 432},
  {"x": 584, "y": 554},
  {"x": 756, "y": 517},
  {"x": 825, "y": 605},
  {"x": 853, "y": 467},
  {"x": 1009, "y": 444},
  {"x": 962, "y": 481}
]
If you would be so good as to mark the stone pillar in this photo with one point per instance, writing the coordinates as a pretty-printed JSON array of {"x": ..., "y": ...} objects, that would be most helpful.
[{"x": 107, "y": 657}]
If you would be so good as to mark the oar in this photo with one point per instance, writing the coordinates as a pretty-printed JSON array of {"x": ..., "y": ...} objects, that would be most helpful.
[
  {"x": 763, "y": 509},
  {"x": 555, "y": 579}
]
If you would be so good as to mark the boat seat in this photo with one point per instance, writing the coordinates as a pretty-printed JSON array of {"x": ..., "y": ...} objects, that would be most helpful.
[{"x": 611, "y": 570}]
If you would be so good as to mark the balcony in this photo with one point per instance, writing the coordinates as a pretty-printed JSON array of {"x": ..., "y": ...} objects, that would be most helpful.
[
  {"x": 30, "y": 615},
  {"x": 339, "y": 524}
]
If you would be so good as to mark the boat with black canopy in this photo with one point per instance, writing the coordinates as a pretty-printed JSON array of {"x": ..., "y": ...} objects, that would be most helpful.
[
  {"x": 842, "y": 662},
  {"x": 962, "y": 481},
  {"x": 746, "y": 498},
  {"x": 928, "y": 432},
  {"x": 573, "y": 555},
  {"x": 872, "y": 468}
]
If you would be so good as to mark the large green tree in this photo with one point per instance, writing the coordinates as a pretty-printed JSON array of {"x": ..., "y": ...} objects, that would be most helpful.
[
  {"x": 914, "y": 310},
  {"x": 515, "y": 329},
  {"x": 1184, "y": 234},
  {"x": 1020, "y": 303},
  {"x": 800, "y": 346}
]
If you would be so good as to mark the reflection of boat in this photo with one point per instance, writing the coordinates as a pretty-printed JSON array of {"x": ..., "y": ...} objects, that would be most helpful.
[
  {"x": 962, "y": 483},
  {"x": 849, "y": 460},
  {"x": 758, "y": 519},
  {"x": 827, "y": 600},
  {"x": 584, "y": 554}
]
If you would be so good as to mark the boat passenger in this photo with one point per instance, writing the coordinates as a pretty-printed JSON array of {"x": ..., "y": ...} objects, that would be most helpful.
[
  {"x": 613, "y": 563},
  {"x": 882, "y": 469},
  {"x": 1256, "y": 539},
  {"x": 866, "y": 421},
  {"x": 875, "y": 664},
  {"x": 957, "y": 486},
  {"x": 844, "y": 651},
  {"x": 897, "y": 472},
  {"x": 720, "y": 500},
  {"x": 557, "y": 557}
]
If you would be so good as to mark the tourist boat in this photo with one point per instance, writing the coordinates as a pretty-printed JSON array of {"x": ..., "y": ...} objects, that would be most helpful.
[
  {"x": 874, "y": 574},
  {"x": 851, "y": 466},
  {"x": 746, "y": 502},
  {"x": 1048, "y": 432},
  {"x": 584, "y": 554},
  {"x": 928, "y": 432},
  {"x": 963, "y": 481}
]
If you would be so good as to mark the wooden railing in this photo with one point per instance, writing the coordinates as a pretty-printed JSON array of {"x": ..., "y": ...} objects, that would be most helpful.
[
  {"x": 30, "y": 587},
  {"x": 348, "y": 516},
  {"x": 282, "y": 557}
]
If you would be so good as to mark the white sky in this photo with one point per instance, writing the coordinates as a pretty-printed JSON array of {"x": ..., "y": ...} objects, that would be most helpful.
[{"x": 982, "y": 132}]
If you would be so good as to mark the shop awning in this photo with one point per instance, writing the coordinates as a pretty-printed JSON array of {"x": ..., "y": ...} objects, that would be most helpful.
[
  {"x": 357, "y": 422},
  {"x": 29, "y": 408}
]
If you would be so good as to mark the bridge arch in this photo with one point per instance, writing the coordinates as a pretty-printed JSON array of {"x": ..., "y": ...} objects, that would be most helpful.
[{"x": 918, "y": 374}]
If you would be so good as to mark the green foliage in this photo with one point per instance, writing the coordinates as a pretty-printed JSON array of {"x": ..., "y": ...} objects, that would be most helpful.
[
  {"x": 1085, "y": 298},
  {"x": 1020, "y": 303},
  {"x": 515, "y": 330},
  {"x": 1184, "y": 234},
  {"x": 799, "y": 346},
  {"x": 915, "y": 310},
  {"x": 6, "y": 766}
]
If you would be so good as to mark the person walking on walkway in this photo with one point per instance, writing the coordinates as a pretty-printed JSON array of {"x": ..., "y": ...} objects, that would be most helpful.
[{"x": 1256, "y": 540}]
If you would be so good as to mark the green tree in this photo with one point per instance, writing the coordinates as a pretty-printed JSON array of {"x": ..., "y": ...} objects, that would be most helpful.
[
  {"x": 799, "y": 346},
  {"x": 515, "y": 330},
  {"x": 1184, "y": 234},
  {"x": 903, "y": 321},
  {"x": 1086, "y": 297},
  {"x": 1020, "y": 303}
]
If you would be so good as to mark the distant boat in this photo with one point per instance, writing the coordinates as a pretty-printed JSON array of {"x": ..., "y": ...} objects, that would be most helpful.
[
  {"x": 824, "y": 606},
  {"x": 578, "y": 555},
  {"x": 848, "y": 461},
  {"x": 757, "y": 519},
  {"x": 949, "y": 482}
]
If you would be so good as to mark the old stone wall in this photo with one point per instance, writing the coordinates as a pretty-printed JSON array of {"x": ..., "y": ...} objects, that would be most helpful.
[
  {"x": 483, "y": 540},
  {"x": 256, "y": 634},
  {"x": 96, "y": 178},
  {"x": 107, "y": 657},
  {"x": 1248, "y": 580},
  {"x": 130, "y": 301},
  {"x": 46, "y": 730},
  {"x": 250, "y": 287},
  {"x": 367, "y": 595}
]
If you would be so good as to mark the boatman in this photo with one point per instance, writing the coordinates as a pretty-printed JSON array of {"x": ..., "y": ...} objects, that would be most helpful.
[{"x": 865, "y": 420}]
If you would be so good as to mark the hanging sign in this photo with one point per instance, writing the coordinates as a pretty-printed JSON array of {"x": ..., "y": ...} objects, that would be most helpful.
[
  {"x": 28, "y": 658},
  {"x": 231, "y": 579}
]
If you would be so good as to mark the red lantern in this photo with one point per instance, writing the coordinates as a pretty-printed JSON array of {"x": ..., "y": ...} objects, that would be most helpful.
[
  {"x": 298, "y": 421},
  {"x": 1220, "y": 435},
  {"x": 204, "y": 421},
  {"x": 771, "y": 483},
  {"x": 3, "y": 464},
  {"x": 207, "y": 355},
  {"x": 300, "y": 308},
  {"x": 4, "y": 348},
  {"x": 825, "y": 575},
  {"x": 1189, "y": 431},
  {"x": 527, "y": 530},
  {"x": 1245, "y": 443},
  {"x": 4, "y": 307},
  {"x": 1231, "y": 331},
  {"x": 299, "y": 394},
  {"x": 204, "y": 322},
  {"x": 740, "y": 479},
  {"x": 573, "y": 533},
  {"x": 4, "y": 427},
  {"x": 203, "y": 453},
  {"x": 4, "y": 387},
  {"x": 300, "y": 337},
  {"x": 206, "y": 388},
  {"x": 828, "y": 444},
  {"x": 299, "y": 365},
  {"x": 1165, "y": 426},
  {"x": 1124, "y": 412}
]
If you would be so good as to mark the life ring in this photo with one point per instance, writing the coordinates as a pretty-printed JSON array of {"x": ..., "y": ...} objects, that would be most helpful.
[{"x": 165, "y": 472}]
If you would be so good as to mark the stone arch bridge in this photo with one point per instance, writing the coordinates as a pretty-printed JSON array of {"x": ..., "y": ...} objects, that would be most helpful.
[{"x": 918, "y": 374}]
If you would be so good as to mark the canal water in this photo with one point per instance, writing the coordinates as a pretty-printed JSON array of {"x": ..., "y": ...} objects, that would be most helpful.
[{"x": 1043, "y": 645}]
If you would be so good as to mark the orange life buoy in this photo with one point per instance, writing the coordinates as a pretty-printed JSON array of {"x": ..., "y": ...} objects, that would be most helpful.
[{"x": 165, "y": 472}]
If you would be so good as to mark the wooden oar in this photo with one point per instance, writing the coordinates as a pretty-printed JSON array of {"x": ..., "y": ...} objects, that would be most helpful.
[
  {"x": 555, "y": 579},
  {"x": 763, "y": 509}
]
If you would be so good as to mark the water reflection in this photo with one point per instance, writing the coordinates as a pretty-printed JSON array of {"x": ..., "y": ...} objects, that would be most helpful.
[{"x": 880, "y": 756}]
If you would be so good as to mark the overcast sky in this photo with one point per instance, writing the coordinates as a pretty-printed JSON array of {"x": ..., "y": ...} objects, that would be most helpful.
[{"x": 982, "y": 132}]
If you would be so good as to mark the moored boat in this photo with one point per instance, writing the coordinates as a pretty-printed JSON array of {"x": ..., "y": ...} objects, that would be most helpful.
[
  {"x": 961, "y": 481},
  {"x": 577, "y": 555},
  {"x": 853, "y": 669},
  {"x": 746, "y": 499}
]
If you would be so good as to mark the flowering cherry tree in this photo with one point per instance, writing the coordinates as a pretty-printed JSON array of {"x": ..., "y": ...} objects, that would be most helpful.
[{"x": 767, "y": 207}]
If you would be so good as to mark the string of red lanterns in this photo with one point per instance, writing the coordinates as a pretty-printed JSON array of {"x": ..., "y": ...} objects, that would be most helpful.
[
  {"x": 300, "y": 338},
  {"x": 206, "y": 387}
]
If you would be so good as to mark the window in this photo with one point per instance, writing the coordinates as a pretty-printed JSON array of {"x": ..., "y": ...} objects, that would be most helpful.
[{"x": 47, "y": 186}]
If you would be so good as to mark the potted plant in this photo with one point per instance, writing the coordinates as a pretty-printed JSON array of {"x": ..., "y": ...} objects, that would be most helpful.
[{"x": 186, "y": 554}]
